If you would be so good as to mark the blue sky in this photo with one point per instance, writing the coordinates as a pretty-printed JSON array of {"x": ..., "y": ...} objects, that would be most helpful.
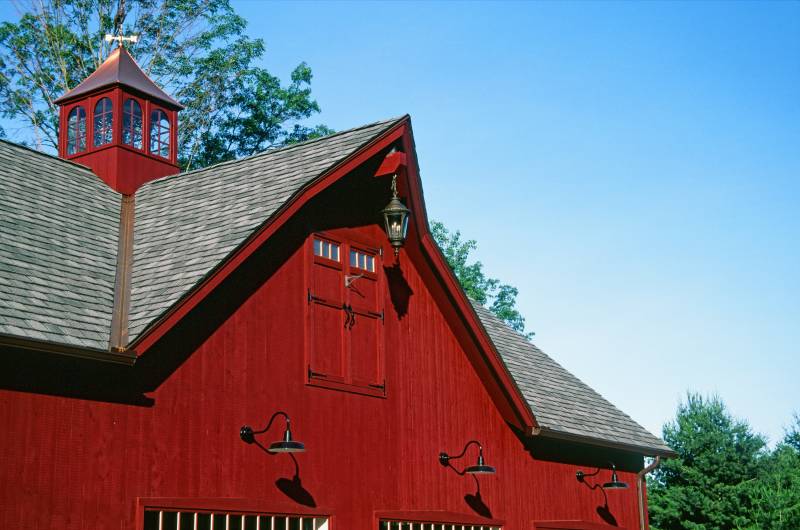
[{"x": 633, "y": 168}]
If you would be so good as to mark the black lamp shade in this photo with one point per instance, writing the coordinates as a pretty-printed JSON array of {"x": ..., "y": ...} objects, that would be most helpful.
[
  {"x": 287, "y": 445},
  {"x": 615, "y": 484},
  {"x": 480, "y": 468}
]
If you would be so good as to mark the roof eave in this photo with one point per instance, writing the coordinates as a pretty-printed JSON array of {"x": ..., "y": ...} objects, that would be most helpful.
[
  {"x": 69, "y": 97},
  {"x": 126, "y": 358},
  {"x": 645, "y": 450}
]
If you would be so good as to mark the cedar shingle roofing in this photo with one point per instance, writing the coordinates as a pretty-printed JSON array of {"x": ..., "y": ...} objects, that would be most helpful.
[
  {"x": 58, "y": 244},
  {"x": 561, "y": 403},
  {"x": 58, "y": 249},
  {"x": 219, "y": 207}
]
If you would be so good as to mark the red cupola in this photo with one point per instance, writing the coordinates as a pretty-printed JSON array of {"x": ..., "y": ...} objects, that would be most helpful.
[{"x": 120, "y": 124}]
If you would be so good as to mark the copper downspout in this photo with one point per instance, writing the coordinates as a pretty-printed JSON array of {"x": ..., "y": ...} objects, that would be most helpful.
[
  {"x": 122, "y": 286},
  {"x": 640, "y": 477}
]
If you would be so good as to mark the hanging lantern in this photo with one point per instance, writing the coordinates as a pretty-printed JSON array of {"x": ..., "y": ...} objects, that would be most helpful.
[{"x": 395, "y": 216}]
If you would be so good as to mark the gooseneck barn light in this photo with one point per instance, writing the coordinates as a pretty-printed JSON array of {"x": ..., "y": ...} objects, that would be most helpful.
[
  {"x": 480, "y": 468},
  {"x": 613, "y": 484},
  {"x": 395, "y": 217},
  {"x": 287, "y": 445}
]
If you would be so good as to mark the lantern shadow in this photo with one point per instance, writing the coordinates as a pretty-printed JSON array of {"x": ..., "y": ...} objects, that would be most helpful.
[
  {"x": 603, "y": 511},
  {"x": 292, "y": 487},
  {"x": 606, "y": 515},
  {"x": 476, "y": 501},
  {"x": 399, "y": 290}
]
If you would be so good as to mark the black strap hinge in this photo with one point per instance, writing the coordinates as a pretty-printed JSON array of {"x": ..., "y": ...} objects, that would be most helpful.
[{"x": 312, "y": 374}]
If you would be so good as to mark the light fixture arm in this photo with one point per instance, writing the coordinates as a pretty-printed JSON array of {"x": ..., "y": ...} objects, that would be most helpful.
[
  {"x": 444, "y": 458},
  {"x": 247, "y": 434},
  {"x": 581, "y": 476},
  {"x": 613, "y": 484}
]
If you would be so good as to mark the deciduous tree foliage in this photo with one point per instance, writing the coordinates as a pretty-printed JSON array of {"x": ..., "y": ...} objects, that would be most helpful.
[
  {"x": 500, "y": 298},
  {"x": 196, "y": 49},
  {"x": 724, "y": 477}
]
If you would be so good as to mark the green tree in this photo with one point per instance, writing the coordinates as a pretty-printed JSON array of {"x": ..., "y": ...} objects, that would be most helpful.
[
  {"x": 776, "y": 495},
  {"x": 500, "y": 298},
  {"x": 711, "y": 483},
  {"x": 196, "y": 49},
  {"x": 792, "y": 437}
]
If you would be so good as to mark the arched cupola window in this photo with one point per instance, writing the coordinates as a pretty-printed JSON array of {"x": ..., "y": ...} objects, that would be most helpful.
[
  {"x": 76, "y": 130},
  {"x": 103, "y": 122},
  {"x": 132, "y": 123},
  {"x": 159, "y": 133}
]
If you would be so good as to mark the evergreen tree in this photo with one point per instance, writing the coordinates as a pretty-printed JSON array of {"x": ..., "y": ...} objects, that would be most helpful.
[
  {"x": 776, "y": 495},
  {"x": 711, "y": 483}
]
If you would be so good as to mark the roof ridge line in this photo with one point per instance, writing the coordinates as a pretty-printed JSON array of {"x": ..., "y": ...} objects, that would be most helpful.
[{"x": 275, "y": 150}]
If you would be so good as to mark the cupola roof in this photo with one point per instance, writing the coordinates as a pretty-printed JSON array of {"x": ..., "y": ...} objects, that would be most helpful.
[{"x": 120, "y": 69}]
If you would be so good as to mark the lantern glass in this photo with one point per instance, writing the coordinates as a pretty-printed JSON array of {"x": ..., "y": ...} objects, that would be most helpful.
[
  {"x": 397, "y": 225},
  {"x": 395, "y": 216}
]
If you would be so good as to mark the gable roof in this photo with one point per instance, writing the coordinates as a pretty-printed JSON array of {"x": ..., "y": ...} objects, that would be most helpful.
[
  {"x": 186, "y": 225},
  {"x": 119, "y": 68},
  {"x": 57, "y": 270},
  {"x": 564, "y": 406},
  {"x": 58, "y": 228}
]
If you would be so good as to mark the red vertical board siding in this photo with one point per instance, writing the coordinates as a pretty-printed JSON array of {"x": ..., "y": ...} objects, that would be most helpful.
[{"x": 80, "y": 464}]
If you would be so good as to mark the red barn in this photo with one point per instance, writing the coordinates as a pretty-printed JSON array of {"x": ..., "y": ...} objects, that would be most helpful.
[{"x": 147, "y": 317}]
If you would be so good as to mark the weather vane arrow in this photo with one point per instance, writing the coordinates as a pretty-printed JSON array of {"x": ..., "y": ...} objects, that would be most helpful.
[{"x": 121, "y": 39}]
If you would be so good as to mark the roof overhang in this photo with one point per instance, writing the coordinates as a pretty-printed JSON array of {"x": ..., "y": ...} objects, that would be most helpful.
[
  {"x": 599, "y": 442},
  {"x": 483, "y": 356},
  {"x": 126, "y": 358}
]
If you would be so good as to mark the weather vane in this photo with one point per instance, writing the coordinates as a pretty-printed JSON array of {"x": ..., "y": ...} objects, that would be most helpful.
[{"x": 121, "y": 39}]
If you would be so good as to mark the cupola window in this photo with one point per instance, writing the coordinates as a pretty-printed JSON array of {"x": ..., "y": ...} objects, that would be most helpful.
[
  {"x": 103, "y": 122},
  {"x": 76, "y": 130},
  {"x": 159, "y": 133},
  {"x": 132, "y": 123}
]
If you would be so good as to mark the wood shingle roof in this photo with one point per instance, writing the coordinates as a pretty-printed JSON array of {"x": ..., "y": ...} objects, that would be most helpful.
[
  {"x": 187, "y": 224},
  {"x": 58, "y": 247},
  {"x": 562, "y": 404},
  {"x": 58, "y": 244}
]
